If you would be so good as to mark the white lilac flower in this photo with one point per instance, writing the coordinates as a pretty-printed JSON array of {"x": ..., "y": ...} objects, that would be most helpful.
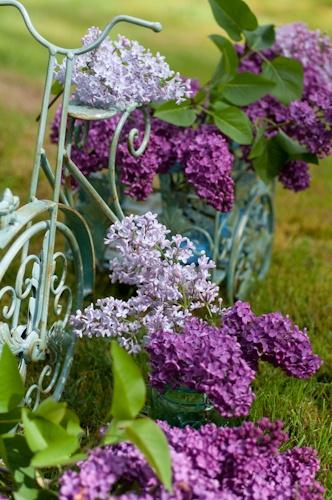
[
  {"x": 121, "y": 73},
  {"x": 169, "y": 290}
]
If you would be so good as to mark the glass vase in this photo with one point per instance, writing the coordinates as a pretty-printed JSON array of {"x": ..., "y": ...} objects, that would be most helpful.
[
  {"x": 240, "y": 241},
  {"x": 181, "y": 407}
]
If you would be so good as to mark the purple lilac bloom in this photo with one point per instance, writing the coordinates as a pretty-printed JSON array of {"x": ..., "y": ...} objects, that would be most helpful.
[
  {"x": 308, "y": 120},
  {"x": 295, "y": 175},
  {"x": 272, "y": 337},
  {"x": 204, "y": 154},
  {"x": 122, "y": 73},
  {"x": 136, "y": 174},
  {"x": 206, "y": 359},
  {"x": 208, "y": 464},
  {"x": 169, "y": 290},
  {"x": 208, "y": 163},
  {"x": 312, "y": 48}
]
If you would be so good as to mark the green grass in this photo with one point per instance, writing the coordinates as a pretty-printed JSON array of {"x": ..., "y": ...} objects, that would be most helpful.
[{"x": 300, "y": 279}]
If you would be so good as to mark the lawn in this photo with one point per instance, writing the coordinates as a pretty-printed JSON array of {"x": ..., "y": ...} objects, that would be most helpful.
[{"x": 299, "y": 282}]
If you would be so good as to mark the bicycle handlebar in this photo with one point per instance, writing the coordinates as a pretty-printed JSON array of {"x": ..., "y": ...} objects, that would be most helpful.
[{"x": 54, "y": 49}]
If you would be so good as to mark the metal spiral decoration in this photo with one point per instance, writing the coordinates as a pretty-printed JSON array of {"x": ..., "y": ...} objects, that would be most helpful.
[
  {"x": 97, "y": 198},
  {"x": 35, "y": 304},
  {"x": 21, "y": 307}
]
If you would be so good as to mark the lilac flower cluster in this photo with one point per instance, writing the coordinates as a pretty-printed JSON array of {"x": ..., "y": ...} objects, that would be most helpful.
[
  {"x": 184, "y": 350},
  {"x": 169, "y": 290},
  {"x": 137, "y": 174},
  {"x": 311, "y": 48},
  {"x": 206, "y": 359},
  {"x": 272, "y": 337},
  {"x": 212, "y": 462},
  {"x": 295, "y": 175},
  {"x": 308, "y": 120},
  {"x": 208, "y": 164},
  {"x": 203, "y": 153},
  {"x": 122, "y": 73},
  {"x": 222, "y": 361}
]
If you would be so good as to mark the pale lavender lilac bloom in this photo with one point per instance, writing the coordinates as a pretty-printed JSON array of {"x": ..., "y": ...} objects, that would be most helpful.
[
  {"x": 169, "y": 290},
  {"x": 122, "y": 73}
]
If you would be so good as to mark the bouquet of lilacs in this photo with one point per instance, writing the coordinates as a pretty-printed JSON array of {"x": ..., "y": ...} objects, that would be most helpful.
[
  {"x": 176, "y": 316},
  {"x": 306, "y": 121},
  {"x": 208, "y": 464},
  {"x": 270, "y": 95}
]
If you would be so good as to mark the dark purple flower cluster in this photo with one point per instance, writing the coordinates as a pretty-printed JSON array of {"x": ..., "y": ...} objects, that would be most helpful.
[
  {"x": 308, "y": 120},
  {"x": 208, "y": 464},
  {"x": 206, "y": 359},
  {"x": 222, "y": 361},
  {"x": 295, "y": 175},
  {"x": 93, "y": 156},
  {"x": 204, "y": 154},
  {"x": 137, "y": 174},
  {"x": 208, "y": 165},
  {"x": 272, "y": 337}
]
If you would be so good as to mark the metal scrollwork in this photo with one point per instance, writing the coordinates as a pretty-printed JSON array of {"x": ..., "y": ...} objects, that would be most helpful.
[
  {"x": 35, "y": 310},
  {"x": 97, "y": 197},
  {"x": 21, "y": 307},
  {"x": 134, "y": 135}
]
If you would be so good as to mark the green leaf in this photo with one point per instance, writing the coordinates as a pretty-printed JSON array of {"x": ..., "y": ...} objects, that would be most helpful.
[
  {"x": 26, "y": 493},
  {"x": 9, "y": 420},
  {"x": 229, "y": 60},
  {"x": 115, "y": 431},
  {"x": 72, "y": 424},
  {"x": 17, "y": 454},
  {"x": 246, "y": 88},
  {"x": 234, "y": 16},
  {"x": 51, "y": 410},
  {"x": 129, "y": 390},
  {"x": 43, "y": 435},
  {"x": 181, "y": 115},
  {"x": 259, "y": 143},
  {"x": 55, "y": 456},
  {"x": 151, "y": 441},
  {"x": 234, "y": 123},
  {"x": 287, "y": 74},
  {"x": 289, "y": 145},
  {"x": 262, "y": 38},
  {"x": 294, "y": 149},
  {"x": 270, "y": 161},
  {"x": 11, "y": 384}
]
